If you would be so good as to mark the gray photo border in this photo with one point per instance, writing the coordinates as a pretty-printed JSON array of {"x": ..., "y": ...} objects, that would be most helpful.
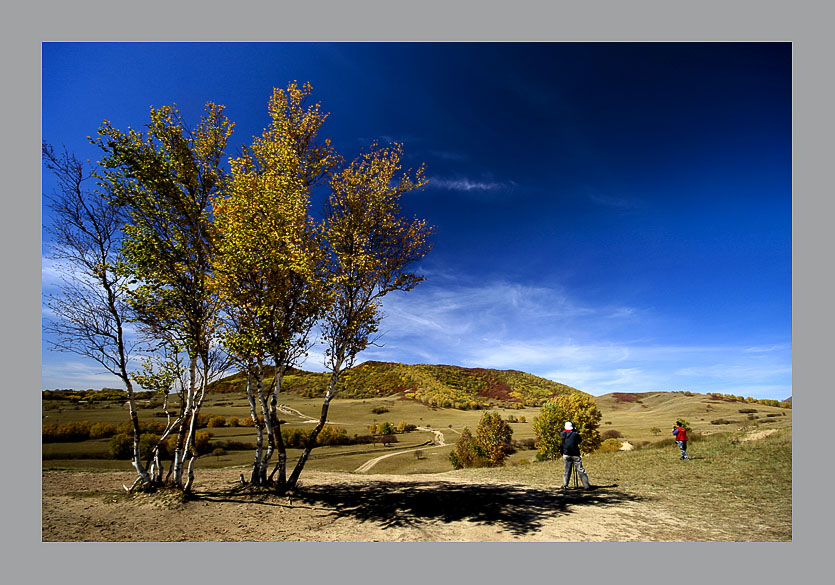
[{"x": 805, "y": 24}]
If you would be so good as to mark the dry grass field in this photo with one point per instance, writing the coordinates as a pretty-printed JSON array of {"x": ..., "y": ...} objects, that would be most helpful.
[{"x": 737, "y": 487}]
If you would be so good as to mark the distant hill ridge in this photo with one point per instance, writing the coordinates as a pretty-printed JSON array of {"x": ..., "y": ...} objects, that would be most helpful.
[{"x": 435, "y": 385}]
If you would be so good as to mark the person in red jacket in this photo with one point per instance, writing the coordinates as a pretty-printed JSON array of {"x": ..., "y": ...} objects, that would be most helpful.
[{"x": 681, "y": 439}]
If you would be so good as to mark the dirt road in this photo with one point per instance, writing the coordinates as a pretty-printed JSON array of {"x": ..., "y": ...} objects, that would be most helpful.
[{"x": 437, "y": 442}]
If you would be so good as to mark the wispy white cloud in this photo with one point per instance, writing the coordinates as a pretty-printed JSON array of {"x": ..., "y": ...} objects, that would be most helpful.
[
  {"x": 768, "y": 348},
  {"x": 468, "y": 185},
  {"x": 548, "y": 332},
  {"x": 77, "y": 375}
]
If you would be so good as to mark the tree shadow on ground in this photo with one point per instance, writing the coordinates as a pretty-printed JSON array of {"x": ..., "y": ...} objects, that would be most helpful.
[{"x": 518, "y": 509}]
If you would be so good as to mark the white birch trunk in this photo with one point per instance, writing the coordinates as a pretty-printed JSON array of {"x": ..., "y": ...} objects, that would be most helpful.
[
  {"x": 294, "y": 477},
  {"x": 268, "y": 425},
  {"x": 183, "y": 445},
  {"x": 281, "y": 463},
  {"x": 141, "y": 471},
  {"x": 193, "y": 427},
  {"x": 259, "y": 429}
]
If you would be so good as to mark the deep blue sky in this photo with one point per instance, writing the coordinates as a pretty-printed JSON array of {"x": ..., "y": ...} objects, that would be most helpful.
[{"x": 613, "y": 216}]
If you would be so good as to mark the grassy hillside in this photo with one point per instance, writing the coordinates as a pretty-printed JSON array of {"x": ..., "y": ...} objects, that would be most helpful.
[
  {"x": 649, "y": 416},
  {"x": 434, "y": 385}
]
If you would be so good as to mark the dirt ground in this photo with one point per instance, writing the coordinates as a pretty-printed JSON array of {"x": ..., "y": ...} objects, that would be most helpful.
[{"x": 344, "y": 507}]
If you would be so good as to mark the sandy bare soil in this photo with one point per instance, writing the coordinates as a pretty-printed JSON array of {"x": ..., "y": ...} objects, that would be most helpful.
[{"x": 89, "y": 506}]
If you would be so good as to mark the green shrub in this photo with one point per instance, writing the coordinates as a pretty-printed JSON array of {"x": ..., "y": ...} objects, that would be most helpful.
[
  {"x": 147, "y": 442},
  {"x": 494, "y": 435},
  {"x": 580, "y": 410},
  {"x": 121, "y": 446},
  {"x": 467, "y": 453},
  {"x": 683, "y": 423},
  {"x": 386, "y": 429}
]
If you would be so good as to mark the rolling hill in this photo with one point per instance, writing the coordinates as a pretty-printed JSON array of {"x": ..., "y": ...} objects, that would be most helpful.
[{"x": 434, "y": 385}]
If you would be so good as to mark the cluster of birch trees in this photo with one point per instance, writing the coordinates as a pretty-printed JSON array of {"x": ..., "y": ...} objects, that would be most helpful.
[{"x": 218, "y": 263}]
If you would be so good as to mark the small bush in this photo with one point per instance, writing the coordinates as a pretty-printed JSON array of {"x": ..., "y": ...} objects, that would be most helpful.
[
  {"x": 610, "y": 434},
  {"x": 233, "y": 421},
  {"x": 232, "y": 445},
  {"x": 524, "y": 444},
  {"x": 722, "y": 421},
  {"x": 609, "y": 446},
  {"x": 380, "y": 410},
  {"x": 747, "y": 410},
  {"x": 404, "y": 427},
  {"x": 102, "y": 430},
  {"x": 773, "y": 414},
  {"x": 248, "y": 422},
  {"x": 69, "y": 431},
  {"x": 147, "y": 442},
  {"x": 216, "y": 422},
  {"x": 121, "y": 446},
  {"x": 388, "y": 439},
  {"x": 201, "y": 442},
  {"x": 386, "y": 429}
]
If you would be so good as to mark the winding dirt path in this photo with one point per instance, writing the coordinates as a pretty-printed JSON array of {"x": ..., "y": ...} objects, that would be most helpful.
[
  {"x": 283, "y": 408},
  {"x": 438, "y": 442}
]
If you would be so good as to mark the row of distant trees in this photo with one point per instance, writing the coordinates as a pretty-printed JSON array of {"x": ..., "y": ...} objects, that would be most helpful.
[{"x": 219, "y": 262}]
